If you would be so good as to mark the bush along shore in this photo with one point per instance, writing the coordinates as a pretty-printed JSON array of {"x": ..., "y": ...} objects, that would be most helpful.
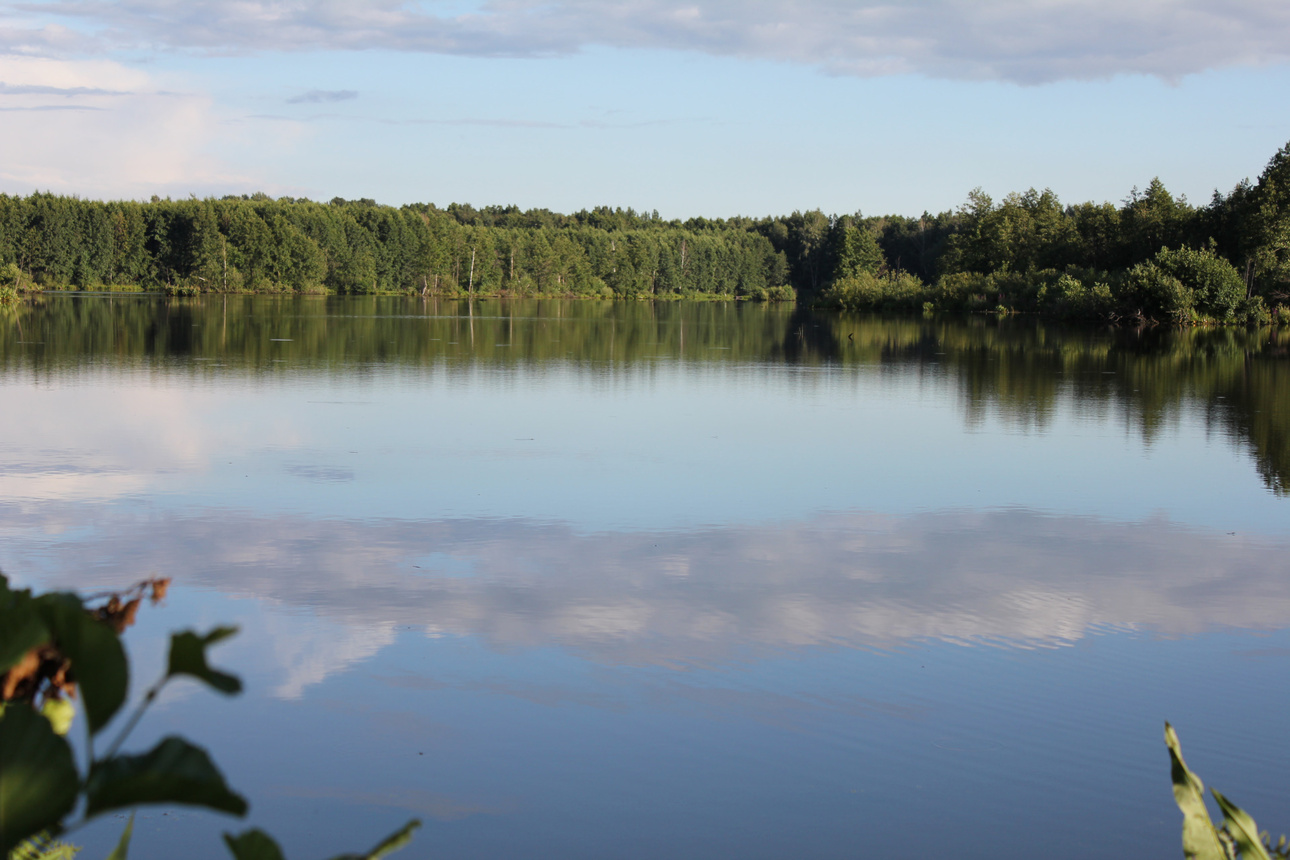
[{"x": 1154, "y": 258}]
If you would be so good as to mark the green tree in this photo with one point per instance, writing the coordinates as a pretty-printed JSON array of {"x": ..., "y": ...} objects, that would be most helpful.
[
  {"x": 1268, "y": 223},
  {"x": 856, "y": 250}
]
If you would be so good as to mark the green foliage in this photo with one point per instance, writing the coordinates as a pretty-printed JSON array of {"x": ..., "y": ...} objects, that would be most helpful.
[
  {"x": 1076, "y": 295},
  {"x": 174, "y": 771},
  {"x": 1149, "y": 292},
  {"x": 94, "y": 650},
  {"x": 255, "y": 844},
  {"x": 1022, "y": 244},
  {"x": 1253, "y": 311},
  {"x": 893, "y": 291},
  {"x": 40, "y": 785},
  {"x": 856, "y": 249},
  {"x": 38, "y": 778},
  {"x": 298, "y": 246},
  {"x": 43, "y": 847},
  {"x": 1216, "y": 286},
  {"x": 1238, "y": 836},
  {"x": 122, "y": 848},
  {"x": 188, "y": 657}
]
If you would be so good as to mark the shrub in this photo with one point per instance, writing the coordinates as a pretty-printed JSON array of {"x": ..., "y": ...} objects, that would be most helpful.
[
  {"x": 1071, "y": 297},
  {"x": 1253, "y": 311},
  {"x": 866, "y": 291},
  {"x": 955, "y": 290},
  {"x": 1151, "y": 292},
  {"x": 1217, "y": 288}
]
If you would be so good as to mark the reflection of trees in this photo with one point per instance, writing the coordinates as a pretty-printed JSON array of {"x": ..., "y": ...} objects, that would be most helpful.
[
  {"x": 1238, "y": 378},
  {"x": 1257, "y": 411},
  {"x": 1018, "y": 370},
  {"x": 809, "y": 337}
]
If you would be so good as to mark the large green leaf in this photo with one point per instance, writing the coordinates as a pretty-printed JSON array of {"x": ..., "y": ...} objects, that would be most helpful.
[
  {"x": 38, "y": 779},
  {"x": 20, "y": 626},
  {"x": 98, "y": 660},
  {"x": 387, "y": 846},
  {"x": 253, "y": 845},
  {"x": 1200, "y": 838},
  {"x": 174, "y": 771},
  {"x": 1243, "y": 829},
  {"x": 188, "y": 657}
]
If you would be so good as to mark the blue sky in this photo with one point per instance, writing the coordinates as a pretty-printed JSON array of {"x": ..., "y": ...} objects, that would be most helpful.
[{"x": 690, "y": 107}]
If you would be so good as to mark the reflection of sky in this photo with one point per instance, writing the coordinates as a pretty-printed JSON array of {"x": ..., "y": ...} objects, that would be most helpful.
[
  {"x": 676, "y": 446},
  {"x": 695, "y": 611},
  {"x": 683, "y": 597}
]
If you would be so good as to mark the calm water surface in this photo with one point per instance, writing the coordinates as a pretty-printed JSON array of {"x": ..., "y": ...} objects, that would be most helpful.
[{"x": 588, "y": 580}]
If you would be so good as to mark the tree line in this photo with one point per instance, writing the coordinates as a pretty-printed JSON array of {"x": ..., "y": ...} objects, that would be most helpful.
[
  {"x": 255, "y": 243},
  {"x": 1153, "y": 256}
]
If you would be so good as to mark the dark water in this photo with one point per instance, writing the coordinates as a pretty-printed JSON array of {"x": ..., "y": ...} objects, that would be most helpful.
[{"x": 681, "y": 580}]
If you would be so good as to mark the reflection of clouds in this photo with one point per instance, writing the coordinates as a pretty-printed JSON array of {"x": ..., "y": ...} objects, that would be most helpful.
[
  {"x": 850, "y": 580},
  {"x": 140, "y": 430},
  {"x": 52, "y": 481},
  {"x": 307, "y": 659},
  {"x": 138, "y": 433}
]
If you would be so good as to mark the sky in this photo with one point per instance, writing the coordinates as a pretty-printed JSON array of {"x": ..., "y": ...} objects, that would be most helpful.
[{"x": 688, "y": 107}]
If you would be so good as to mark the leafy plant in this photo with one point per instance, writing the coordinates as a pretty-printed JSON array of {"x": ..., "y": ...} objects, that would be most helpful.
[
  {"x": 1238, "y": 836},
  {"x": 53, "y": 648}
]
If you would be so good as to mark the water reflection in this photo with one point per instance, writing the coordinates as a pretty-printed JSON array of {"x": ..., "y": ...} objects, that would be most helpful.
[
  {"x": 1013, "y": 577},
  {"x": 1237, "y": 379},
  {"x": 608, "y": 565}
]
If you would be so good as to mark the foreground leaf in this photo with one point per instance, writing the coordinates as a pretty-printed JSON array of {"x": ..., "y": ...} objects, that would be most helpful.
[
  {"x": 1243, "y": 829},
  {"x": 1200, "y": 838},
  {"x": 60, "y": 713},
  {"x": 20, "y": 626},
  {"x": 174, "y": 771},
  {"x": 38, "y": 780},
  {"x": 43, "y": 847},
  {"x": 188, "y": 657},
  {"x": 253, "y": 845},
  {"x": 98, "y": 660},
  {"x": 123, "y": 844},
  {"x": 388, "y": 845}
]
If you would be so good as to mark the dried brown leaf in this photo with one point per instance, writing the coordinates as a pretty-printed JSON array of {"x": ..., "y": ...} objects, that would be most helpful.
[
  {"x": 17, "y": 679},
  {"x": 159, "y": 588}
]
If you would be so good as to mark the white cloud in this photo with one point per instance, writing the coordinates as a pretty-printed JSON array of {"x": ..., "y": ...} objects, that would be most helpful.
[
  {"x": 99, "y": 128},
  {"x": 1014, "y": 40}
]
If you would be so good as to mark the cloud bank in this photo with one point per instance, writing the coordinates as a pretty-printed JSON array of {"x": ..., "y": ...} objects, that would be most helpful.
[
  {"x": 145, "y": 139},
  {"x": 1012, "y": 40},
  {"x": 860, "y": 580},
  {"x": 323, "y": 97}
]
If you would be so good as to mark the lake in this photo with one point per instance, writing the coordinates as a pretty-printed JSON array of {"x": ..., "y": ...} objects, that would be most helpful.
[{"x": 686, "y": 580}]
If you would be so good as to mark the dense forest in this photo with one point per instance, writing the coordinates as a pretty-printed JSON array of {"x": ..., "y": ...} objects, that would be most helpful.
[{"x": 1153, "y": 257}]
